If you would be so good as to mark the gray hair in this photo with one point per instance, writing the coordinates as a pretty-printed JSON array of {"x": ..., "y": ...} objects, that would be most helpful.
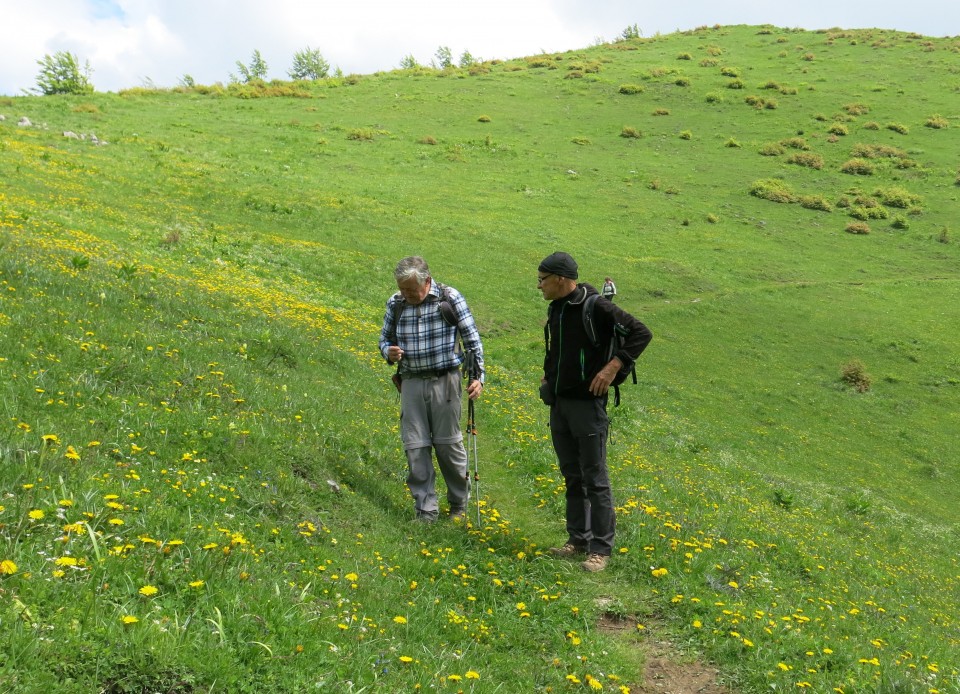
[{"x": 412, "y": 266}]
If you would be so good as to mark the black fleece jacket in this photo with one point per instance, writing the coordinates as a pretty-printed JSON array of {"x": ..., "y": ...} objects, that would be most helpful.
[{"x": 571, "y": 361}]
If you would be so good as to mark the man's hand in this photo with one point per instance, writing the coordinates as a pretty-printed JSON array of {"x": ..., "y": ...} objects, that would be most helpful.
[
  {"x": 601, "y": 382},
  {"x": 474, "y": 388},
  {"x": 394, "y": 354}
]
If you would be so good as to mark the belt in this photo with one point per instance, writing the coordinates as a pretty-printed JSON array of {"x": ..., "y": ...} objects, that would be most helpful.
[{"x": 436, "y": 373}]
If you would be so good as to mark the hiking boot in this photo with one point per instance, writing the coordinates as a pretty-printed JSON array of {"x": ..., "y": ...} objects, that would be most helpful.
[
  {"x": 595, "y": 562},
  {"x": 425, "y": 518},
  {"x": 568, "y": 551},
  {"x": 458, "y": 513}
]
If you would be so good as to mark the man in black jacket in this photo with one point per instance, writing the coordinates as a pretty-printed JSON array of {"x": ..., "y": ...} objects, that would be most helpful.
[{"x": 576, "y": 379}]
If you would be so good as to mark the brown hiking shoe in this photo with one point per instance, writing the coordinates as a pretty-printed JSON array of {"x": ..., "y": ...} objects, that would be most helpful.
[
  {"x": 595, "y": 562},
  {"x": 567, "y": 551}
]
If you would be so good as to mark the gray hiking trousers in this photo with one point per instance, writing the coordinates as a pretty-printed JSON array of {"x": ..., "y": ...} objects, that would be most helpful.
[{"x": 430, "y": 408}]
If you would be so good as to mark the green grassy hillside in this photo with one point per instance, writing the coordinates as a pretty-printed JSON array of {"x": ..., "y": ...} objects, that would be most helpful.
[{"x": 201, "y": 483}]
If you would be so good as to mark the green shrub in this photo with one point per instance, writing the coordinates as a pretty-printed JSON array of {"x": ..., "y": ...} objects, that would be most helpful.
[
  {"x": 709, "y": 62},
  {"x": 771, "y": 85},
  {"x": 732, "y": 142},
  {"x": 712, "y": 218},
  {"x": 630, "y": 89},
  {"x": 661, "y": 112},
  {"x": 360, "y": 134},
  {"x": 686, "y": 135},
  {"x": 856, "y": 109},
  {"x": 772, "y": 189},
  {"x": 713, "y": 98},
  {"x": 541, "y": 61},
  {"x": 580, "y": 141},
  {"x": 815, "y": 202},
  {"x": 838, "y": 129},
  {"x": 770, "y": 104},
  {"x": 484, "y": 119},
  {"x": 630, "y": 132},
  {"x": 789, "y": 91},
  {"x": 795, "y": 143},
  {"x": 682, "y": 82},
  {"x": 736, "y": 84},
  {"x": 876, "y": 151},
  {"x": 898, "y": 128},
  {"x": 900, "y": 222},
  {"x": 897, "y": 197},
  {"x": 871, "y": 125},
  {"x": 808, "y": 159},
  {"x": 860, "y": 167},
  {"x": 864, "y": 213},
  {"x": 684, "y": 56},
  {"x": 772, "y": 149},
  {"x": 428, "y": 140},
  {"x": 754, "y": 101},
  {"x": 854, "y": 374},
  {"x": 937, "y": 122},
  {"x": 857, "y": 228},
  {"x": 730, "y": 71},
  {"x": 573, "y": 74}
]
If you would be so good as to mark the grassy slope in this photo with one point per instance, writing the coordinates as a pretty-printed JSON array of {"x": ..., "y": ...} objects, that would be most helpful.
[{"x": 284, "y": 220}]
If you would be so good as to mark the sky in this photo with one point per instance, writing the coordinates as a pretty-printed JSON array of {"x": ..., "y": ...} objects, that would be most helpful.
[{"x": 134, "y": 43}]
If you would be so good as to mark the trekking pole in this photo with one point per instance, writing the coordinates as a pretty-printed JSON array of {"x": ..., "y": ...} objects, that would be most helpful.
[{"x": 473, "y": 374}]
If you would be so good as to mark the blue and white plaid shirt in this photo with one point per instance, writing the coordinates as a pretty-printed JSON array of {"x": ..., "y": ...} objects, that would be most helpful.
[{"x": 427, "y": 341}]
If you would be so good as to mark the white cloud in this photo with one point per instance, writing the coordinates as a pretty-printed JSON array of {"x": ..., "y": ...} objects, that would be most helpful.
[{"x": 131, "y": 41}]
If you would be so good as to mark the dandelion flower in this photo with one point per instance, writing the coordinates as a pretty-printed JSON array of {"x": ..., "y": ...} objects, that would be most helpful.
[
  {"x": 7, "y": 568},
  {"x": 400, "y": 620},
  {"x": 659, "y": 573},
  {"x": 472, "y": 675},
  {"x": 406, "y": 659},
  {"x": 129, "y": 619},
  {"x": 36, "y": 514},
  {"x": 148, "y": 591},
  {"x": 196, "y": 584}
]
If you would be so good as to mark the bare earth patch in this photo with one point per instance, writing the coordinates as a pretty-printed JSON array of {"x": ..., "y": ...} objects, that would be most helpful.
[{"x": 666, "y": 670}]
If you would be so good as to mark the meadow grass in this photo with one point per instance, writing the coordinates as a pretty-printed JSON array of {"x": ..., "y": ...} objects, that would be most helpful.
[{"x": 202, "y": 483}]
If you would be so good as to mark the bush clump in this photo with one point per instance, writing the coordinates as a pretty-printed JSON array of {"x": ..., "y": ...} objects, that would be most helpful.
[
  {"x": 838, "y": 129},
  {"x": 808, "y": 159},
  {"x": 772, "y": 149},
  {"x": 937, "y": 122},
  {"x": 859, "y": 167},
  {"x": 815, "y": 202},
  {"x": 897, "y": 197},
  {"x": 772, "y": 189},
  {"x": 629, "y": 131},
  {"x": 630, "y": 89},
  {"x": 861, "y": 228},
  {"x": 854, "y": 374},
  {"x": 898, "y": 128}
]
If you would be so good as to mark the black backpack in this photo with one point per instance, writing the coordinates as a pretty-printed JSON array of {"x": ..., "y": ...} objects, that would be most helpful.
[{"x": 616, "y": 342}]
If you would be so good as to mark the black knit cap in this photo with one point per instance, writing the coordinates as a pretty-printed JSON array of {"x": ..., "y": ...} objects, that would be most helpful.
[{"x": 561, "y": 264}]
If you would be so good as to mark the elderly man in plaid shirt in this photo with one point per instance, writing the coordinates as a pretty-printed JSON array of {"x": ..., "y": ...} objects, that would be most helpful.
[{"x": 420, "y": 333}]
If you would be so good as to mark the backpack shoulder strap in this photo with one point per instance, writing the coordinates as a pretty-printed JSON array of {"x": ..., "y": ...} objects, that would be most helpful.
[
  {"x": 589, "y": 325},
  {"x": 446, "y": 306}
]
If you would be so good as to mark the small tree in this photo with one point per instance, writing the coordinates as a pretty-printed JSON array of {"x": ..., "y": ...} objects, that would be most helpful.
[
  {"x": 62, "y": 74},
  {"x": 257, "y": 70},
  {"x": 467, "y": 60},
  {"x": 309, "y": 64},
  {"x": 409, "y": 63},
  {"x": 631, "y": 32},
  {"x": 444, "y": 58}
]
